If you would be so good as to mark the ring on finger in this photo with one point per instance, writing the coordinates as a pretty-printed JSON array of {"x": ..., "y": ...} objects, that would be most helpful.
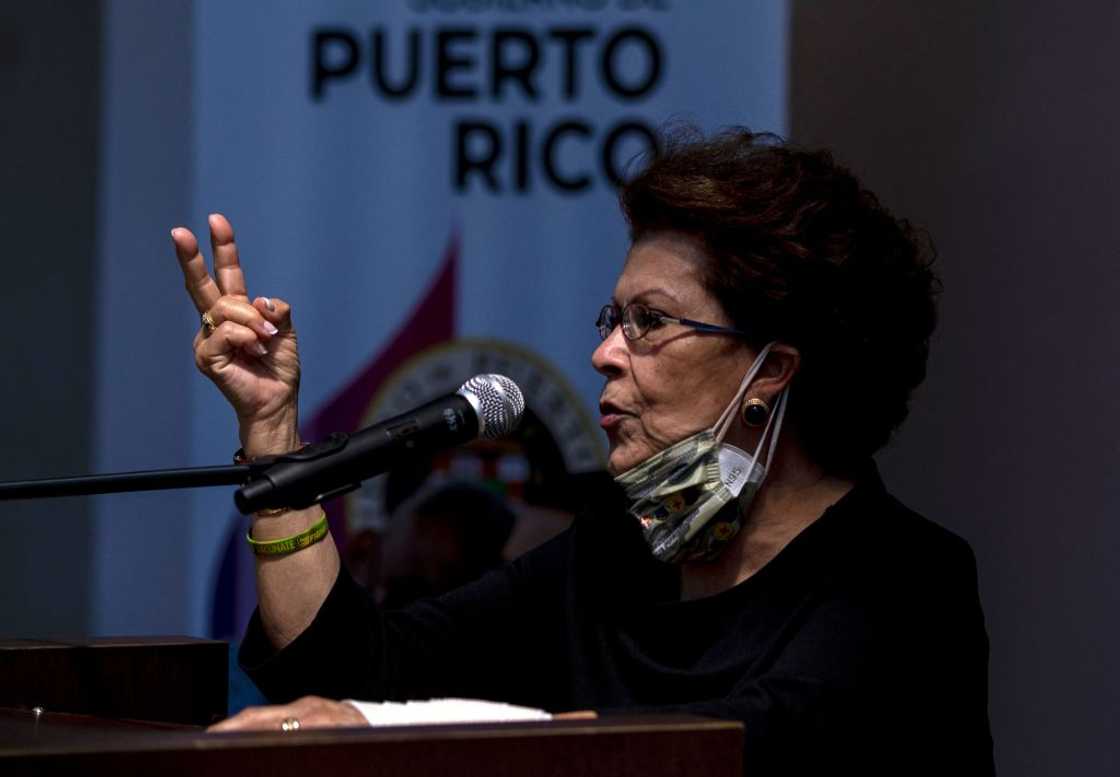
[
  {"x": 289, "y": 724},
  {"x": 208, "y": 325}
]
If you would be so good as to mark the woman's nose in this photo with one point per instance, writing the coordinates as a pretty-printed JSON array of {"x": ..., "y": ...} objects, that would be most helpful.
[{"x": 610, "y": 357}]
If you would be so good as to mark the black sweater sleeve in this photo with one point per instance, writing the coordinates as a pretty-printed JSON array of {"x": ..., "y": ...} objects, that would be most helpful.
[{"x": 473, "y": 641}]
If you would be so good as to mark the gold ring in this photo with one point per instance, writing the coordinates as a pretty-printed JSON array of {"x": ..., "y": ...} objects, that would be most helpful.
[
  {"x": 289, "y": 724},
  {"x": 208, "y": 325}
]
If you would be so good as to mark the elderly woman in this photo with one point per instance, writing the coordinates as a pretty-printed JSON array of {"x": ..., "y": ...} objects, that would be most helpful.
[{"x": 762, "y": 342}]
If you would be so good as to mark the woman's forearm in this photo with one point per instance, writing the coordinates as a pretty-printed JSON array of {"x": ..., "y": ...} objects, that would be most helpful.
[{"x": 292, "y": 588}]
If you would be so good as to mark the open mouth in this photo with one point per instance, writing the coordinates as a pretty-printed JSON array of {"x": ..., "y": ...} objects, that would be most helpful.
[{"x": 610, "y": 414}]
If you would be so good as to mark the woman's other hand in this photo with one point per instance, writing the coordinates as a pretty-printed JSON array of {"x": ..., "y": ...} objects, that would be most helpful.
[
  {"x": 251, "y": 352},
  {"x": 308, "y": 712}
]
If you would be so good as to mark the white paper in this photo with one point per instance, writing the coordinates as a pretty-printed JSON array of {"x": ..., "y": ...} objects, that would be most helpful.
[{"x": 443, "y": 711}]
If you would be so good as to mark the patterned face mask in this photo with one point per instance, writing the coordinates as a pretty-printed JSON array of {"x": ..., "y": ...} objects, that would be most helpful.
[{"x": 677, "y": 492}]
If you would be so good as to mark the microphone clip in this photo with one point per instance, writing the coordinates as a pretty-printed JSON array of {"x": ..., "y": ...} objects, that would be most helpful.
[{"x": 308, "y": 452}]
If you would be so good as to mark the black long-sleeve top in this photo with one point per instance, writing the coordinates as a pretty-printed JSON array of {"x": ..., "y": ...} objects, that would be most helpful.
[{"x": 861, "y": 644}]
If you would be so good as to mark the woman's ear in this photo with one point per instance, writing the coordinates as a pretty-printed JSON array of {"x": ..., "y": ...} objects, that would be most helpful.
[{"x": 782, "y": 363}]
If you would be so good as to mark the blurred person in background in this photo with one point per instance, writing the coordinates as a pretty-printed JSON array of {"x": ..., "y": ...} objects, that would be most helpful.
[
  {"x": 440, "y": 539},
  {"x": 459, "y": 513}
]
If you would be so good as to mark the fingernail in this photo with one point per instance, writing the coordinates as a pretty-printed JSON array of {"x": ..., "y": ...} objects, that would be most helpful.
[
  {"x": 268, "y": 304},
  {"x": 260, "y": 349},
  {"x": 268, "y": 327},
  {"x": 173, "y": 232}
]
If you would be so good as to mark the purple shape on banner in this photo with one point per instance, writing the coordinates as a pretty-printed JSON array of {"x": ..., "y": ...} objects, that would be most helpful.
[{"x": 431, "y": 322}]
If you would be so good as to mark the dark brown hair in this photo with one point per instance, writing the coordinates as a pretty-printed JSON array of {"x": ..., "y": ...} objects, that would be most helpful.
[{"x": 800, "y": 252}]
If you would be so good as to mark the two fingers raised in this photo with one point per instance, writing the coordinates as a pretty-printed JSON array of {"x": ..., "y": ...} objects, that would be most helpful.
[
  {"x": 204, "y": 291},
  {"x": 235, "y": 320},
  {"x": 228, "y": 278}
]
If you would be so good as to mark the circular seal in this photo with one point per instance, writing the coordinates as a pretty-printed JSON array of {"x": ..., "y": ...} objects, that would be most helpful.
[{"x": 557, "y": 437}]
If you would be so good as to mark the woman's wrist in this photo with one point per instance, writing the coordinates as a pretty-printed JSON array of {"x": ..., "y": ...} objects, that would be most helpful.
[
  {"x": 274, "y": 436},
  {"x": 284, "y": 525},
  {"x": 271, "y": 436}
]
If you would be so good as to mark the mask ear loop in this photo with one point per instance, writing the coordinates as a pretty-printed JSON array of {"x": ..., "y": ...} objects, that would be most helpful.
[
  {"x": 723, "y": 424},
  {"x": 775, "y": 420}
]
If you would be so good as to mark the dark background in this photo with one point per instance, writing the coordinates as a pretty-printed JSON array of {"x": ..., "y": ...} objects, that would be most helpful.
[
  {"x": 992, "y": 124},
  {"x": 995, "y": 125}
]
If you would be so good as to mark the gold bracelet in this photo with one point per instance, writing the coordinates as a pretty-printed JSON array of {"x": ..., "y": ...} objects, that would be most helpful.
[
  {"x": 239, "y": 456},
  {"x": 282, "y": 547}
]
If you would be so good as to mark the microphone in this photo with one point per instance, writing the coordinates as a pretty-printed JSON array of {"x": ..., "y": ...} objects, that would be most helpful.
[{"x": 487, "y": 406}]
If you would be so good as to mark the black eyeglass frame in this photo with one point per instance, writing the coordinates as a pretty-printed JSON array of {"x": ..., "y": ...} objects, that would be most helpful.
[{"x": 621, "y": 316}]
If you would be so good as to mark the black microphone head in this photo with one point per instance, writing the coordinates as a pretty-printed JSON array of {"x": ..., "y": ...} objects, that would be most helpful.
[{"x": 497, "y": 401}]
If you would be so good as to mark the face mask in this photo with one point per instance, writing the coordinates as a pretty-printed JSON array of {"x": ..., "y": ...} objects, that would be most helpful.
[{"x": 677, "y": 492}]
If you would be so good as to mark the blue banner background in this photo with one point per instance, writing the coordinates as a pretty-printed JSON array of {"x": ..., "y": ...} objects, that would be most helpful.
[{"x": 345, "y": 205}]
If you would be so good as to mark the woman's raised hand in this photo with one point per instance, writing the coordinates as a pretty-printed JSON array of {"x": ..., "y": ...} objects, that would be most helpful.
[{"x": 250, "y": 352}]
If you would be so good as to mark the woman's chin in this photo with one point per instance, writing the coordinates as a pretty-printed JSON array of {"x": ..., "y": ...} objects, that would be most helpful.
[{"x": 621, "y": 459}]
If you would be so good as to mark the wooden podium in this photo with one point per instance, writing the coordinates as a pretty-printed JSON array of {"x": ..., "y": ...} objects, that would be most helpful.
[
  {"x": 169, "y": 679},
  {"x": 58, "y": 741}
]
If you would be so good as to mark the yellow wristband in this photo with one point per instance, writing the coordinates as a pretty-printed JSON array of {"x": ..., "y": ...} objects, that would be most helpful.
[{"x": 281, "y": 547}]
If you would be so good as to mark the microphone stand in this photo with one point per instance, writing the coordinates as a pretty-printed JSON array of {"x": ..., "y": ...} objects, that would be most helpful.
[
  {"x": 243, "y": 475},
  {"x": 123, "y": 482}
]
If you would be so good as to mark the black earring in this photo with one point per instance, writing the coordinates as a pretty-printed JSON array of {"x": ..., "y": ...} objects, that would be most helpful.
[{"x": 755, "y": 412}]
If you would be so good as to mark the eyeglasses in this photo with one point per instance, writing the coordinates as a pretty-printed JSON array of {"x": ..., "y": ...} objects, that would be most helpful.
[{"x": 637, "y": 319}]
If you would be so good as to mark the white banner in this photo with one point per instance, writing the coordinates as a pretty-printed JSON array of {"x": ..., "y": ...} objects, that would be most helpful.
[{"x": 431, "y": 184}]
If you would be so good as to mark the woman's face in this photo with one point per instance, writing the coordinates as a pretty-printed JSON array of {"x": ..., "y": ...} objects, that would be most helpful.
[{"x": 674, "y": 381}]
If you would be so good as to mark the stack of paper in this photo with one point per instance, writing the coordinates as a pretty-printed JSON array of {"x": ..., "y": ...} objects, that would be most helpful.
[{"x": 440, "y": 711}]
